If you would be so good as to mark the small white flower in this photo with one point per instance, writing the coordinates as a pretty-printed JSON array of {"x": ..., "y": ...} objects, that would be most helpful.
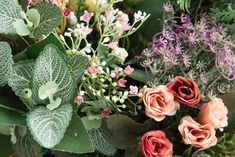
[
  {"x": 62, "y": 38},
  {"x": 115, "y": 98},
  {"x": 67, "y": 34},
  {"x": 121, "y": 100},
  {"x": 106, "y": 39},
  {"x": 114, "y": 84}
]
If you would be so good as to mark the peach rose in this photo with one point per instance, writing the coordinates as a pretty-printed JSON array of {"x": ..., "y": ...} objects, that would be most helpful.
[
  {"x": 159, "y": 103},
  {"x": 215, "y": 113},
  {"x": 193, "y": 133},
  {"x": 185, "y": 90},
  {"x": 155, "y": 144}
]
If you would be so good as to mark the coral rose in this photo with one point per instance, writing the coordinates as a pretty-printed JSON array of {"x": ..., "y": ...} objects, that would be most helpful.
[
  {"x": 185, "y": 91},
  {"x": 214, "y": 112},
  {"x": 155, "y": 144},
  {"x": 159, "y": 103},
  {"x": 193, "y": 133}
]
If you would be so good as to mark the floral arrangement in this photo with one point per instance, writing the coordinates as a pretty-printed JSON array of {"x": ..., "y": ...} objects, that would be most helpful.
[{"x": 83, "y": 77}]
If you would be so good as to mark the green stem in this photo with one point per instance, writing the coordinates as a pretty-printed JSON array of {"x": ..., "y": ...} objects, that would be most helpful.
[{"x": 12, "y": 109}]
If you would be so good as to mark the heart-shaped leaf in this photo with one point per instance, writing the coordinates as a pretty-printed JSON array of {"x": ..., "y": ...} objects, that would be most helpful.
[
  {"x": 50, "y": 18},
  {"x": 9, "y": 12},
  {"x": 50, "y": 67},
  {"x": 6, "y": 62},
  {"x": 21, "y": 28},
  {"x": 25, "y": 146},
  {"x": 48, "y": 127}
]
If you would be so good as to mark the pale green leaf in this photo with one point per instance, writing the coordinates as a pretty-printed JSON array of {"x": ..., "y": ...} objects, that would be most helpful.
[
  {"x": 50, "y": 18},
  {"x": 6, "y": 62},
  {"x": 5, "y": 129},
  {"x": 101, "y": 140},
  {"x": 76, "y": 138},
  {"x": 34, "y": 17},
  {"x": 25, "y": 146},
  {"x": 21, "y": 28},
  {"x": 20, "y": 78},
  {"x": 9, "y": 12},
  {"x": 78, "y": 64},
  {"x": 91, "y": 124},
  {"x": 50, "y": 66},
  {"x": 48, "y": 127}
]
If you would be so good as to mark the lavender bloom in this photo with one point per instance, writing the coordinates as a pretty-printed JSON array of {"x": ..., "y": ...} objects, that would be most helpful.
[
  {"x": 203, "y": 78},
  {"x": 167, "y": 34},
  {"x": 167, "y": 7},
  {"x": 192, "y": 38},
  {"x": 186, "y": 60},
  {"x": 213, "y": 48}
]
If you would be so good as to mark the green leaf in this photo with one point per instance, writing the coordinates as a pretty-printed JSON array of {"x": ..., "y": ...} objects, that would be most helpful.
[
  {"x": 21, "y": 28},
  {"x": 5, "y": 145},
  {"x": 20, "y": 77},
  {"x": 140, "y": 75},
  {"x": 6, "y": 62},
  {"x": 78, "y": 64},
  {"x": 48, "y": 127},
  {"x": 76, "y": 138},
  {"x": 91, "y": 124},
  {"x": 9, "y": 12},
  {"x": 10, "y": 117},
  {"x": 50, "y": 18},
  {"x": 5, "y": 129},
  {"x": 101, "y": 140},
  {"x": 25, "y": 146},
  {"x": 34, "y": 17},
  {"x": 50, "y": 66}
]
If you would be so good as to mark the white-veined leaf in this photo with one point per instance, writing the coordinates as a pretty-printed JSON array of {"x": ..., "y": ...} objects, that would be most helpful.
[
  {"x": 6, "y": 62},
  {"x": 50, "y": 66},
  {"x": 25, "y": 145},
  {"x": 48, "y": 127},
  {"x": 50, "y": 18},
  {"x": 78, "y": 64},
  {"x": 20, "y": 77},
  {"x": 9, "y": 12}
]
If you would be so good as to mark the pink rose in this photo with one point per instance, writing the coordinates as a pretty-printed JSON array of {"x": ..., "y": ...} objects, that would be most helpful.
[
  {"x": 159, "y": 103},
  {"x": 156, "y": 144},
  {"x": 79, "y": 100},
  {"x": 215, "y": 113},
  {"x": 133, "y": 89},
  {"x": 86, "y": 16},
  {"x": 193, "y": 133},
  {"x": 128, "y": 70},
  {"x": 66, "y": 12},
  {"x": 122, "y": 82},
  {"x": 114, "y": 73}
]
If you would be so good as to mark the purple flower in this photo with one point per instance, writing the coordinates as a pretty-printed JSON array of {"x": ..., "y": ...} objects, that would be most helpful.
[
  {"x": 167, "y": 7},
  {"x": 214, "y": 36},
  {"x": 192, "y": 38},
  {"x": 203, "y": 78},
  {"x": 178, "y": 48},
  {"x": 167, "y": 34},
  {"x": 213, "y": 48},
  {"x": 186, "y": 60}
]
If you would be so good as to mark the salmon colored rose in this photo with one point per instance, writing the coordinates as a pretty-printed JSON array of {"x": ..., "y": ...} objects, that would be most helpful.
[
  {"x": 159, "y": 102},
  {"x": 193, "y": 133},
  {"x": 185, "y": 91},
  {"x": 215, "y": 113},
  {"x": 156, "y": 144}
]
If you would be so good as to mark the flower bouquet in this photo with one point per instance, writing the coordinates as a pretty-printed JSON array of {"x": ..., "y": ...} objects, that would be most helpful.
[{"x": 117, "y": 78}]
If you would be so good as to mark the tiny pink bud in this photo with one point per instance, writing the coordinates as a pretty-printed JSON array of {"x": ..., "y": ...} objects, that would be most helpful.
[
  {"x": 86, "y": 16},
  {"x": 86, "y": 31},
  {"x": 128, "y": 70},
  {"x": 113, "y": 45},
  {"x": 78, "y": 100},
  {"x": 106, "y": 112},
  {"x": 121, "y": 83},
  {"x": 133, "y": 89},
  {"x": 66, "y": 12},
  {"x": 92, "y": 70},
  {"x": 114, "y": 73},
  {"x": 108, "y": 14}
]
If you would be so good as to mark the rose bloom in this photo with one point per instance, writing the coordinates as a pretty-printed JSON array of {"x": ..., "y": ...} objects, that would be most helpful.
[
  {"x": 215, "y": 113},
  {"x": 159, "y": 103},
  {"x": 156, "y": 144},
  {"x": 185, "y": 91},
  {"x": 193, "y": 133}
]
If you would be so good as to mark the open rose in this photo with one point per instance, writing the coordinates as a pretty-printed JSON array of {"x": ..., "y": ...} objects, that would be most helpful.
[
  {"x": 155, "y": 144},
  {"x": 193, "y": 133},
  {"x": 185, "y": 91},
  {"x": 214, "y": 112},
  {"x": 159, "y": 103}
]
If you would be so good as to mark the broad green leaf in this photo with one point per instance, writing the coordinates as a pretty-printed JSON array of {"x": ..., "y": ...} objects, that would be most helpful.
[
  {"x": 21, "y": 28},
  {"x": 34, "y": 17},
  {"x": 140, "y": 75},
  {"x": 101, "y": 140},
  {"x": 91, "y": 124},
  {"x": 20, "y": 77},
  {"x": 50, "y": 66},
  {"x": 76, "y": 138},
  {"x": 33, "y": 52},
  {"x": 9, "y": 12},
  {"x": 25, "y": 146},
  {"x": 5, "y": 145},
  {"x": 6, "y": 62},
  {"x": 78, "y": 64},
  {"x": 50, "y": 18},
  {"x": 10, "y": 117},
  {"x": 5, "y": 129},
  {"x": 48, "y": 127}
]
